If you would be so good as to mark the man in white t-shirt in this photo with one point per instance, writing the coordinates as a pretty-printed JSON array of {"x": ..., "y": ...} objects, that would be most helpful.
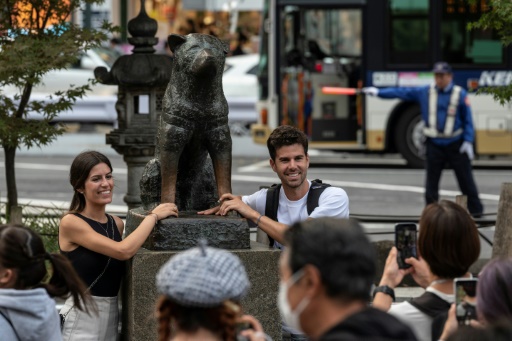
[{"x": 288, "y": 149}]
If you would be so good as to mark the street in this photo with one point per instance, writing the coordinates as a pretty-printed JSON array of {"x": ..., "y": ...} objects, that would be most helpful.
[{"x": 378, "y": 186}]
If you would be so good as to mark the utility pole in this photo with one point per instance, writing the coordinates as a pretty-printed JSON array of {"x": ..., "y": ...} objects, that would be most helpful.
[{"x": 87, "y": 20}]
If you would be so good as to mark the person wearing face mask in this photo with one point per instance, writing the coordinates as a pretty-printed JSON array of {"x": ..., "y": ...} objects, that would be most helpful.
[{"x": 327, "y": 271}]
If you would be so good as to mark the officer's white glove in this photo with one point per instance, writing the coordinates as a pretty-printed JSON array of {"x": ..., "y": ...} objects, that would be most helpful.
[
  {"x": 422, "y": 147},
  {"x": 467, "y": 147},
  {"x": 370, "y": 90}
]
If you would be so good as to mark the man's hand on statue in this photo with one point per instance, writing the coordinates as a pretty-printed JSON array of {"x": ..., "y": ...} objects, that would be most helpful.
[
  {"x": 230, "y": 202},
  {"x": 165, "y": 210},
  {"x": 216, "y": 210}
]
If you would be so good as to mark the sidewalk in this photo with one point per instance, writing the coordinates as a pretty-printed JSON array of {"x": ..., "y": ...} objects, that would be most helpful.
[{"x": 72, "y": 143}]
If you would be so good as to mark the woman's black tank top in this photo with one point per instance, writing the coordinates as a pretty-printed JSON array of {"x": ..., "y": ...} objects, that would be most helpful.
[{"x": 89, "y": 264}]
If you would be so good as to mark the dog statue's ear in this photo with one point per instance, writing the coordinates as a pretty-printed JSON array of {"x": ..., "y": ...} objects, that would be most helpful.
[
  {"x": 175, "y": 40},
  {"x": 225, "y": 47}
]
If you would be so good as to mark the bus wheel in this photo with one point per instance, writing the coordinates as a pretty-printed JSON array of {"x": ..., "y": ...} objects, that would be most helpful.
[{"x": 408, "y": 136}]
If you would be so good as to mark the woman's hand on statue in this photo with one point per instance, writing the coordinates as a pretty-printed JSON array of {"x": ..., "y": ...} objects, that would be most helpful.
[
  {"x": 210, "y": 211},
  {"x": 165, "y": 210}
]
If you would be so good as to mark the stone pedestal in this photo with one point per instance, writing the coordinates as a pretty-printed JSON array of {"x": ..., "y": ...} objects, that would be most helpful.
[
  {"x": 184, "y": 232},
  {"x": 140, "y": 296}
]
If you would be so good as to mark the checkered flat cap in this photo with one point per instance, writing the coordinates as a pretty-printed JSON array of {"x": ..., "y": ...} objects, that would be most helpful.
[{"x": 203, "y": 277}]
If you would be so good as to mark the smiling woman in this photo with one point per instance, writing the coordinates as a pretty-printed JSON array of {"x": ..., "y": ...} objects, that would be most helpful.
[{"x": 91, "y": 240}]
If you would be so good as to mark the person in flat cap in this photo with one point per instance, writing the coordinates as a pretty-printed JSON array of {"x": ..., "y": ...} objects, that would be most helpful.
[
  {"x": 448, "y": 133},
  {"x": 201, "y": 290}
]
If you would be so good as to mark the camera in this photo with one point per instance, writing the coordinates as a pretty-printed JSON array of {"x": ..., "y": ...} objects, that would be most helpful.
[
  {"x": 242, "y": 326},
  {"x": 405, "y": 242},
  {"x": 465, "y": 299}
]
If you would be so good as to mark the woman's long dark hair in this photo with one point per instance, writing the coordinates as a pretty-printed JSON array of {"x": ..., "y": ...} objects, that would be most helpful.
[
  {"x": 220, "y": 320},
  {"x": 80, "y": 169},
  {"x": 22, "y": 250}
]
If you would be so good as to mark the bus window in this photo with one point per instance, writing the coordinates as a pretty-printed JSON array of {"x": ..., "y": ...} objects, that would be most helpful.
[
  {"x": 333, "y": 33},
  {"x": 460, "y": 46},
  {"x": 320, "y": 47},
  {"x": 409, "y": 31}
]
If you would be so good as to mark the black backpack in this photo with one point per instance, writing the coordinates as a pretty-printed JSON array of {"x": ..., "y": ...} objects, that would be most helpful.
[
  {"x": 435, "y": 307},
  {"x": 272, "y": 203}
]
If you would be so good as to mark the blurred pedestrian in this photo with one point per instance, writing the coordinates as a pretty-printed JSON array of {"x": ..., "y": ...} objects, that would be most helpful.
[
  {"x": 201, "y": 290},
  {"x": 91, "y": 239},
  {"x": 116, "y": 46},
  {"x": 29, "y": 278},
  {"x": 241, "y": 40},
  {"x": 449, "y": 132}
]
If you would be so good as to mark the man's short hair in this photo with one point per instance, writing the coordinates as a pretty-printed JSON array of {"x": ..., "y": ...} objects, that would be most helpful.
[
  {"x": 448, "y": 239},
  {"x": 286, "y": 136},
  {"x": 340, "y": 251}
]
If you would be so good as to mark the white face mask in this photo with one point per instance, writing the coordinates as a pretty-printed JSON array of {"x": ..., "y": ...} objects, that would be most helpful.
[{"x": 291, "y": 318}]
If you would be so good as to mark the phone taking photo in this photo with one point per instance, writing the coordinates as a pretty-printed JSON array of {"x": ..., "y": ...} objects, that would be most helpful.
[
  {"x": 465, "y": 299},
  {"x": 405, "y": 242}
]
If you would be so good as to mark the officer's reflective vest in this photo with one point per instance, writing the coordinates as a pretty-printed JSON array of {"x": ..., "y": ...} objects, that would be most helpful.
[{"x": 431, "y": 129}]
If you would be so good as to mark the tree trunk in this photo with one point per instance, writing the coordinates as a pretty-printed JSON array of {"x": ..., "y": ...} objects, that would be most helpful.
[{"x": 10, "y": 178}]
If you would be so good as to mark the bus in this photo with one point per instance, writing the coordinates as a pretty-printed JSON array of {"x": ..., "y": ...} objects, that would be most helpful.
[{"x": 308, "y": 45}]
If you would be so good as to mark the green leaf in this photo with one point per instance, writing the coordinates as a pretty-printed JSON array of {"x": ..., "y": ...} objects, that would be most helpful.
[{"x": 41, "y": 39}]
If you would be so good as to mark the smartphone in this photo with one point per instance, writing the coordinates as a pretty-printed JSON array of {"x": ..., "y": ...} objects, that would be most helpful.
[
  {"x": 405, "y": 242},
  {"x": 465, "y": 299},
  {"x": 242, "y": 326}
]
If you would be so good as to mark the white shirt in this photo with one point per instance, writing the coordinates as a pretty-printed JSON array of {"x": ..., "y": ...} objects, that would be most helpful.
[
  {"x": 333, "y": 202},
  {"x": 419, "y": 322}
]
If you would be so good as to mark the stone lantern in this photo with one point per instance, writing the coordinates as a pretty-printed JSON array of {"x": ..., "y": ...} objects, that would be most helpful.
[{"x": 142, "y": 78}]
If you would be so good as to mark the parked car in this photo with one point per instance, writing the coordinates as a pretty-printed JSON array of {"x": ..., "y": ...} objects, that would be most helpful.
[
  {"x": 98, "y": 106},
  {"x": 78, "y": 74},
  {"x": 240, "y": 85}
]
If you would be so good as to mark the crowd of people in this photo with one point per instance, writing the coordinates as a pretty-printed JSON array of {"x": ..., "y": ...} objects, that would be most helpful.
[{"x": 327, "y": 268}]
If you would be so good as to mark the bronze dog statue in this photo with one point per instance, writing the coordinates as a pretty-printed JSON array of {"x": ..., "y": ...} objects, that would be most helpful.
[{"x": 193, "y": 124}]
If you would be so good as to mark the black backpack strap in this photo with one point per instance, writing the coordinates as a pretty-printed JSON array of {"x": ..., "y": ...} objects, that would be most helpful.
[
  {"x": 272, "y": 202},
  {"x": 271, "y": 206},
  {"x": 438, "y": 325},
  {"x": 315, "y": 190},
  {"x": 430, "y": 304}
]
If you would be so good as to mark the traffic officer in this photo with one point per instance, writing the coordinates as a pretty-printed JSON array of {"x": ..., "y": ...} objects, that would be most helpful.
[{"x": 448, "y": 130}]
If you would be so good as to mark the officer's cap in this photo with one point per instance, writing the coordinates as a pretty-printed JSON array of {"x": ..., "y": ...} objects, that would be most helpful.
[{"x": 442, "y": 67}]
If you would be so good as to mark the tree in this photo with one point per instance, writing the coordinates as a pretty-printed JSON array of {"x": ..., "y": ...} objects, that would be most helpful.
[
  {"x": 497, "y": 18},
  {"x": 37, "y": 36}
]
